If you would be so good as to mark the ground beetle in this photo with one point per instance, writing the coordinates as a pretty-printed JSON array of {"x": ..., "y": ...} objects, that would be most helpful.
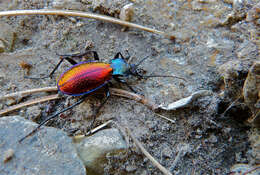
[{"x": 86, "y": 77}]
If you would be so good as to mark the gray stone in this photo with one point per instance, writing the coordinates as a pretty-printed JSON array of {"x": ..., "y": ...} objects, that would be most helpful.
[
  {"x": 131, "y": 168},
  {"x": 2, "y": 46},
  {"x": 213, "y": 139},
  {"x": 49, "y": 151},
  {"x": 251, "y": 87},
  {"x": 93, "y": 149}
]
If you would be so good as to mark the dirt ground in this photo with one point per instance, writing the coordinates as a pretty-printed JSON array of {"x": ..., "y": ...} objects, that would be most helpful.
[{"x": 205, "y": 40}]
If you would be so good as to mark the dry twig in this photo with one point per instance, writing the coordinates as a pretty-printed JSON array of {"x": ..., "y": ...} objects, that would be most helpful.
[
  {"x": 28, "y": 92},
  {"x": 79, "y": 137},
  {"x": 166, "y": 118},
  {"x": 28, "y": 103},
  {"x": 133, "y": 96},
  {"x": 147, "y": 154},
  {"x": 114, "y": 91},
  {"x": 84, "y": 15}
]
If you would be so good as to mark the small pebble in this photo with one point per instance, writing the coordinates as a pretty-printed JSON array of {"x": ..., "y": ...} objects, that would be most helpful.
[
  {"x": 198, "y": 136},
  {"x": 88, "y": 45},
  {"x": 2, "y": 46},
  {"x": 177, "y": 48},
  {"x": 130, "y": 168},
  {"x": 199, "y": 132},
  {"x": 190, "y": 72},
  {"x": 213, "y": 139},
  {"x": 166, "y": 41},
  {"x": 26, "y": 66},
  {"x": 172, "y": 26},
  {"x": 74, "y": 20},
  {"x": 80, "y": 24},
  {"x": 127, "y": 12},
  {"x": 167, "y": 152},
  {"x": 226, "y": 130},
  {"x": 110, "y": 8},
  {"x": 251, "y": 87},
  {"x": 166, "y": 127},
  {"x": 8, "y": 155}
]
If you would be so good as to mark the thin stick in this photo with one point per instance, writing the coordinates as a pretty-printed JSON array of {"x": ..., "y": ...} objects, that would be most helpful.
[
  {"x": 133, "y": 96},
  {"x": 28, "y": 92},
  {"x": 84, "y": 15},
  {"x": 166, "y": 118},
  {"x": 30, "y": 102},
  {"x": 114, "y": 91},
  {"x": 147, "y": 154},
  {"x": 92, "y": 131}
]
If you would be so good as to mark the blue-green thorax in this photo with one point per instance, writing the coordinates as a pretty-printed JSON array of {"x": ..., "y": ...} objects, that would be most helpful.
[{"x": 120, "y": 67}]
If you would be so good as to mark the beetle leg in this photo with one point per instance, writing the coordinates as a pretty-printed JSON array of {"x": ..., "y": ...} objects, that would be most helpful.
[
  {"x": 80, "y": 55},
  {"x": 55, "y": 68},
  {"x": 96, "y": 111},
  {"x": 120, "y": 54},
  {"x": 52, "y": 72},
  {"x": 128, "y": 55},
  {"x": 96, "y": 57},
  {"x": 124, "y": 82},
  {"x": 51, "y": 117},
  {"x": 117, "y": 55},
  {"x": 70, "y": 59}
]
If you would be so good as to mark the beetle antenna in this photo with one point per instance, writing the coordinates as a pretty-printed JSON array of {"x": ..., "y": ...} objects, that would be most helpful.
[
  {"x": 136, "y": 65},
  {"x": 135, "y": 73},
  {"x": 151, "y": 76},
  {"x": 51, "y": 117}
]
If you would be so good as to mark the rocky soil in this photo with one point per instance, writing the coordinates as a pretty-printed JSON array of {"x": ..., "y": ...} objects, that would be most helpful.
[{"x": 216, "y": 49}]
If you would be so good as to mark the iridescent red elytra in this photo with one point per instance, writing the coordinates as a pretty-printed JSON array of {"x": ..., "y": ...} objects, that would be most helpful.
[{"x": 84, "y": 77}]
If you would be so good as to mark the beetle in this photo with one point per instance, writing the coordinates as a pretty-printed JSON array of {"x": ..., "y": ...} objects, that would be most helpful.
[{"x": 84, "y": 78}]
